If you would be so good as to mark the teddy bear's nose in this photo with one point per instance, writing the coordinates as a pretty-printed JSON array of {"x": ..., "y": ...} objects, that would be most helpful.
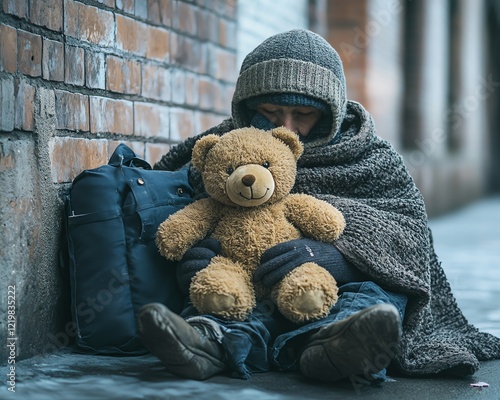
[{"x": 248, "y": 180}]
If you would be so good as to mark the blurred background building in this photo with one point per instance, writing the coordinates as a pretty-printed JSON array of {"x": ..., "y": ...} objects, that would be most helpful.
[
  {"x": 77, "y": 77},
  {"x": 428, "y": 72}
]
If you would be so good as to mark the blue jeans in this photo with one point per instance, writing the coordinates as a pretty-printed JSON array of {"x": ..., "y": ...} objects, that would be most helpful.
[{"x": 267, "y": 340}]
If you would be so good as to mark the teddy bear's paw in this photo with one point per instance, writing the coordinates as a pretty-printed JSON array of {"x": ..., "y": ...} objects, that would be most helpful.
[
  {"x": 224, "y": 305},
  {"x": 309, "y": 305},
  {"x": 168, "y": 248},
  {"x": 306, "y": 294},
  {"x": 224, "y": 292},
  {"x": 219, "y": 302},
  {"x": 310, "y": 302}
]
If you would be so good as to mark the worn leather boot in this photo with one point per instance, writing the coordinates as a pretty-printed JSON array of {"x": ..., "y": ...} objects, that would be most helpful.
[
  {"x": 361, "y": 344},
  {"x": 188, "y": 348}
]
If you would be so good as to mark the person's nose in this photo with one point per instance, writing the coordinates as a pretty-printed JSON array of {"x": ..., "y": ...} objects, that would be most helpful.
[{"x": 289, "y": 122}]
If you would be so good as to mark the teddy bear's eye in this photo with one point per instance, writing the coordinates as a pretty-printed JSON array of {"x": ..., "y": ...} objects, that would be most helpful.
[
  {"x": 265, "y": 165},
  {"x": 229, "y": 170}
]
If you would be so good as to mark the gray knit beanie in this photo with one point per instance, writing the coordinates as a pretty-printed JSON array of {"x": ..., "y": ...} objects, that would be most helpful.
[{"x": 298, "y": 61}]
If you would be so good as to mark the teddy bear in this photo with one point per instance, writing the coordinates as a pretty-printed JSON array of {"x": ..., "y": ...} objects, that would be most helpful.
[{"x": 248, "y": 174}]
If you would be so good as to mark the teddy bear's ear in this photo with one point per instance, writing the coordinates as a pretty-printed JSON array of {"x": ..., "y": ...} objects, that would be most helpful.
[
  {"x": 201, "y": 149},
  {"x": 290, "y": 139}
]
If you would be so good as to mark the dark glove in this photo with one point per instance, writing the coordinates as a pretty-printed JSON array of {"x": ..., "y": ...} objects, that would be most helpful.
[
  {"x": 279, "y": 260},
  {"x": 195, "y": 259}
]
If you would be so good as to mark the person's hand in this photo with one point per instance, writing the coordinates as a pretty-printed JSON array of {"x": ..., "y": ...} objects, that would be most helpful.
[
  {"x": 195, "y": 259},
  {"x": 279, "y": 260}
]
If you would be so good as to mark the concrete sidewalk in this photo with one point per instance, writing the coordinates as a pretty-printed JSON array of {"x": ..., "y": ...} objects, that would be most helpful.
[{"x": 468, "y": 244}]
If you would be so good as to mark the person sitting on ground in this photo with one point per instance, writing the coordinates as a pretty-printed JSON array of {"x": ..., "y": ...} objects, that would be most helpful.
[{"x": 395, "y": 304}]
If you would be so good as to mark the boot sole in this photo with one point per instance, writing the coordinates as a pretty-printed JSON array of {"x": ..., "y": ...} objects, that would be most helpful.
[{"x": 362, "y": 344}]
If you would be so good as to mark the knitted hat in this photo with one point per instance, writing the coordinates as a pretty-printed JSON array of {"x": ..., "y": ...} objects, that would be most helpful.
[{"x": 299, "y": 62}]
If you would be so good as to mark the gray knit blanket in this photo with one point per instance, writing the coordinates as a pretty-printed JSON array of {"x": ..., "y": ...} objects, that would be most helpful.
[{"x": 386, "y": 237}]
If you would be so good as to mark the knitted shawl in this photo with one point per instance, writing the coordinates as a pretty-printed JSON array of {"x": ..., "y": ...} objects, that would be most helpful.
[{"x": 387, "y": 237}]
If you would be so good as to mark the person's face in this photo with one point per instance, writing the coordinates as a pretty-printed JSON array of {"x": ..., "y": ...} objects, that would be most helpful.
[{"x": 299, "y": 119}]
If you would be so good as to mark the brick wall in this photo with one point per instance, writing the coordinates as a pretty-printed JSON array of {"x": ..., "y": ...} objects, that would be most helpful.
[{"x": 77, "y": 77}]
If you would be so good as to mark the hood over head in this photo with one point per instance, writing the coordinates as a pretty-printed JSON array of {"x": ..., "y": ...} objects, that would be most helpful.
[{"x": 296, "y": 62}]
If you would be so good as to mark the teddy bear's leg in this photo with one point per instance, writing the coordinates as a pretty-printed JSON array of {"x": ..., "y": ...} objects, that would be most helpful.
[
  {"x": 223, "y": 289},
  {"x": 307, "y": 293}
]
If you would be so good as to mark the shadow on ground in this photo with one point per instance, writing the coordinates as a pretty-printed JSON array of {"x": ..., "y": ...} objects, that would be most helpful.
[{"x": 73, "y": 376}]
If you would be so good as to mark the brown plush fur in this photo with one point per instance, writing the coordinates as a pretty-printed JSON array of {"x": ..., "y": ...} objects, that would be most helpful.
[{"x": 248, "y": 174}]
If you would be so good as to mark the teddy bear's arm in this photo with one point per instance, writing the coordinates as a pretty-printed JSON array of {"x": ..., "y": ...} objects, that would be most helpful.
[
  {"x": 316, "y": 218},
  {"x": 181, "y": 230}
]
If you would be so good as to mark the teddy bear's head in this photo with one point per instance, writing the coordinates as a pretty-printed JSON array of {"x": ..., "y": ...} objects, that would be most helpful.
[{"x": 248, "y": 166}]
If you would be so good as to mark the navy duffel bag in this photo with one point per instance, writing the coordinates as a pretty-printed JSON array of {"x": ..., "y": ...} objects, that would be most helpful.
[{"x": 113, "y": 213}]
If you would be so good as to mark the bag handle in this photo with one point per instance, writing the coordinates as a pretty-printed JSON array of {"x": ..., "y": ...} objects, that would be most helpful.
[{"x": 124, "y": 156}]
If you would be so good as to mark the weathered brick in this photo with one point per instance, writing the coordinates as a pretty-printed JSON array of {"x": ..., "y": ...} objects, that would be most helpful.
[
  {"x": 155, "y": 151},
  {"x": 182, "y": 124},
  {"x": 7, "y": 159},
  {"x": 189, "y": 53},
  {"x": 185, "y": 17},
  {"x": 227, "y": 97},
  {"x": 127, "y": 6},
  {"x": 227, "y": 8},
  {"x": 8, "y": 48},
  {"x": 70, "y": 156},
  {"x": 113, "y": 116},
  {"x": 47, "y": 13},
  {"x": 18, "y": 8},
  {"x": 202, "y": 21},
  {"x": 72, "y": 111},
  {"x": 29, "y": 53},
  {"x": 222, "y": 64},
  {"x": 131, "y": 35},
  {"x": 156, "y": 82},
  {"x": 53, "y": 60},
  {"x": 6, "y": 104},
  {"x": 208, "y": 120},
  {"x": 202, "y": 58},
  {"x": 157, "y": 44},
  {"x": 123, "y": 76},
  {"x": 210, "y": 94},
  {"x": 46, "y": 108},
  {"x": 90, "y": 24},
  {"x": 74, "y": 71},
  {"x": 141, "y": 8},
  {"x": 151, "y": 120},
  {"x": 223, "y": 105},
  {"x": 232, "y": 9},
  {"x": 192, "y": 89},
  {"x": 208, "y": 28},
  {"x": 95, "y": 70},
  {"x": 227, "y": 34},
  {"x": 109, "y": 3},
  {"x": 25, "y": 106},
  {"x": 160, "y": 12},
  {"x": 178, "y": 86}
]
